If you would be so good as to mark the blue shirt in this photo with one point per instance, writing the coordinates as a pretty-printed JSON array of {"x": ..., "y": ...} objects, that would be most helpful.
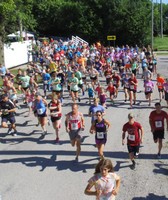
[{"x": 93, "y": 109}]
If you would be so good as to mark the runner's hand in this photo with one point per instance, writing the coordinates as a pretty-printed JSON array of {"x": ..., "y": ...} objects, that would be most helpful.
[
  {"x": 67, "y": 129},
  {"x": 123, "y": 142}
]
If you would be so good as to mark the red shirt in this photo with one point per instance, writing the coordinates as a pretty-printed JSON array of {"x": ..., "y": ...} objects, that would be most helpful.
[
  {"x": 111, "y": 89},
  {"x": 116, "y": 80},
  {"x": 133, "y": 138},
  {"x": 157, "y": 119},
  {"x": 131, "y": 85}
]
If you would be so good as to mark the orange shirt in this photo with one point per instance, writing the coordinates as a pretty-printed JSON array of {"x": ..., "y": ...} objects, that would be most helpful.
[{"x": 160, "y": 82}]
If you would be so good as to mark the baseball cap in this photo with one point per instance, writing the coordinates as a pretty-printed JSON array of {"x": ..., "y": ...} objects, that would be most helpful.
[{"x": 130, "y": 115}]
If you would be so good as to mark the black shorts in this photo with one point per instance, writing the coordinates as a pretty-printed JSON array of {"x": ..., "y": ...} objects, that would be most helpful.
[
  {"x": 25, "y": 88},
  {"x": 80, "y": 86},
  {"x": 8, "y": 118},
  {"x": 54, "y": 119},
  {"x": 68, "y": 87},
  {"x": 43, "y": 115},
  {"x": 158, "y": 134},
  {"x": 133, "y": 149},
  {"x": 160, "y": 90},
  {"x": 132, "y": 90},
  {"x": 74, "y": 91},
  {"x": 57, "y": 92},
  {"x": 146, "y": 93},
  {"x": 93, "y": 78},
  {"x": 166, "y": 96}
]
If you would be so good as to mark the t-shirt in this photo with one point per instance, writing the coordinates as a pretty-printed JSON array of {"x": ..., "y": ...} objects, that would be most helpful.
[
  {"x": 93, "y": 109},
  {"x": 133, "y": 138},
  {"x": 5, "y": 106},
  {"x": 160, "y": 81},
  {"x": 131, "y": 85},
  {"x": 149, "y": 85},
  {"x": 104, "y": 184},
  {"x": 25, "y": 81},
  {"x": 157, "y": 119}
]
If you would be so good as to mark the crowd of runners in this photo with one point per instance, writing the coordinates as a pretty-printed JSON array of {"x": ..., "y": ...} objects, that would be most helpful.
[{"x": 95, "y": 72}]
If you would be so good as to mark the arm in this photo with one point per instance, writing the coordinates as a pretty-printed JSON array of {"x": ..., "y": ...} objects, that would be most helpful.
[
  {"x": 116, "y": 189},
  {"x": 88, "y": 190},
  {"x": 142, "y": 134},
  {"x": 107, "y": 124},
  {"x": 151, "y": 124},
  {"x": 92, "y": 128},
  {"x": 66, "y": 123},
  {"x": 123, "y": 138}
]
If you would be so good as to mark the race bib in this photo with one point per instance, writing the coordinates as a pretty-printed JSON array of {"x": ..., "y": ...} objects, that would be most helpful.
[
  {"x": 132, "y": 87},
  {"x": 148, "y": 89},
  {"x": 100, "y": 135},
  {"x": 54, "y": 114},
  {"x": 74, "y": 126},
  {"x": 158, "y": 124},
  {"x": 131, "y": 137},
  {"x": 45, "y": 82},
  {"x": 108, "y": 76},
  {"x": 114, "y": 82},
  {"x": 24, "y": 84},
  {"x": 40, "y": 111}
]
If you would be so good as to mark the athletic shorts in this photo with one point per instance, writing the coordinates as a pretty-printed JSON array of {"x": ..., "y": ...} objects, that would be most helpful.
[
  {"x": 146, "y": 93},
  {"x": 166, "y": 96},
  {"x": 8, "y": 118},
  {"x": 54, "y": 119},
  {"x": 117, "y": 86},
  {"x": 25, "y": 88},
  {"x": 80, "y": 86},
  {"x": 158, "y": 134},
  {"x": 43, "y": 115},
  {"x": 160, "y": 89},
  {"x": 75, "y": 134},
  {"x": 132, "y": 90},
  {"x": 93, "y": 78},
  {"x": 74, "y": 91},
  {"x": 133, "y": 149}
]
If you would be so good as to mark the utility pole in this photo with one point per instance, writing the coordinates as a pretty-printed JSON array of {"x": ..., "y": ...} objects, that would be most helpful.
[{"x": 161, "y": 19}]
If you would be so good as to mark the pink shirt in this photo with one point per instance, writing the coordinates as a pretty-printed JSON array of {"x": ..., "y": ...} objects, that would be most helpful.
[
  {"x": 165, "y": 86},
  {"x": 149, "y": 85}
]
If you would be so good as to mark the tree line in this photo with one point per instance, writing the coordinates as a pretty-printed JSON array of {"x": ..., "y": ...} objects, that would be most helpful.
[{"x": 93, "y": 20}]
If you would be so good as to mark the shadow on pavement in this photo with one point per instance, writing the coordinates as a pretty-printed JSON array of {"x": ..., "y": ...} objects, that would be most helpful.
[
  {"x": 161, "y": 169},
  {"x": 151, "y": 196}
]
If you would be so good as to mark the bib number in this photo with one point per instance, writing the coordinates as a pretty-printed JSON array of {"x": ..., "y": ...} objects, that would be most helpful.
[
  {"x": 131, "y": 137},
  {"x": 100, "y": 135},
  {"x": 74, "y": 126},
  {"x": 132, "y": 87},
  {"x": 40, "y": 111},
  {"x": 45, "y": 82},
  {"x": 158, "y": 124},
  {"x": 24, "y": 84},
  {"x": 148, "y": 89}
]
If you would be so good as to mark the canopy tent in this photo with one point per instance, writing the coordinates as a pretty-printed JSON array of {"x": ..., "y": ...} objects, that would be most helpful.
[{"x": 25, "y": 35}]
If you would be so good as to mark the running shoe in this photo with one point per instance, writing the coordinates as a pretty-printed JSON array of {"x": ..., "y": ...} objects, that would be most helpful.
[
  {"x": 76, "y": 159},
  {"x": 9, "y": 131},
  {"x": 44, "y": 133},
  {"x": 79, "y": 99},
  {"x": 158, "y": 156},
  {"x": 57, "y": 140},
  {"x": 132, "y": 166},
  {"x": 15, "y": 133}
]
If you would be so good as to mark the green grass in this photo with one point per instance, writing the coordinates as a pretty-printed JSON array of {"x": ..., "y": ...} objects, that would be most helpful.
[{"x": 161, "y": 44}]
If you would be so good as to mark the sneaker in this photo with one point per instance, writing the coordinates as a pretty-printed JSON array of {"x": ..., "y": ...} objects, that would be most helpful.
[
  {"x": 49, "y": 122},
  {"x": 76, "y": 159},
  {"x": 9, "y": 131},
  {"x": 158, "y": 156},
  {"x": 132, "y": 166},
  {"x": 15, "y": 133},
  {"x": 44, "y": 133},
  {"x": 37, "y": 124},
  {"x": 79, "y": 99},
  {"x": 57, "y": 140},
  {"x": 136, "y": 155}
]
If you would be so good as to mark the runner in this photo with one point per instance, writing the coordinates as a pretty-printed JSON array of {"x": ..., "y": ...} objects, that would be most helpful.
[
  {"x": 56, "y": 113},
  {"x": 100, "y": 127},
  {"x": 111, "y": 89},
  {"x": 134, "y": 139},
  {"x": 149, "y": 86},
  {"x": 94, "y": 108},
  {"x": 105, "y": 181},
  {"x": 132, "y": 89},
  {"x": 156, "y": 121},
  {"x": 116, "y": 82},
  {"x": 160, "y": 82},
  {"x": 165, "y": 87},
  {"x": 74, "y": 88},
  {"x": 46, "y": 78},
  {"x": 40, "y": 105},
  {"x": 7, "y": 112},
  {"x": 74, "y": 124}
]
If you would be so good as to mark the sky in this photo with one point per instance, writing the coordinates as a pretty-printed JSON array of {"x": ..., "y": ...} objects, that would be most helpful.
[{"x": 163, "y": 1}]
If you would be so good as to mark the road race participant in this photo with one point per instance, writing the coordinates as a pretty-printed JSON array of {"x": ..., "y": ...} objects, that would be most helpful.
[
  {"x": 46, "y": 82},
  {"x": 156, "y": 121},
  {"x": 134, "y": 137},
  {"x": 94, "y": 108},
  {"x": 160, "y": 81},
  {"x": 100, "y": 127},
  {"x": 7, "y": 112},
  {"x": 105, "y": 182},
  {"x": 126, "y": 86},
  {"x": 94, "y": 74},
  {"x": 40, "y": 105},
  {"x": 149, "y": 86},
  {"x": 74, "y": 88},
  {"x": 112, "y": 90},
  {"x": 132, "y": 89},
  {"x": 74, "y": 124},
  {"x": 165, "y": 87},
  {"x": 55, "y": 113},
  {"x": 116, "y": 82}
]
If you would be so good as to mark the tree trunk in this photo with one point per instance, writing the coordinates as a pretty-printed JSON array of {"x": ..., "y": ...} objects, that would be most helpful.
[{"x": 1, "y": 51}]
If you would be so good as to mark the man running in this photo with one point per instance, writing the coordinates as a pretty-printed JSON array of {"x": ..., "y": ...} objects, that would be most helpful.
[
  {"x": 74, "y": 124},
  {"x": 134, "y": 138},
  {"x": 156, "y": 121}
]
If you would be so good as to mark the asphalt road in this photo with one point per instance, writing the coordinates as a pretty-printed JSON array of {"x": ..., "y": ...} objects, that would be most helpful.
[{"x": 32, "y": 168}]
